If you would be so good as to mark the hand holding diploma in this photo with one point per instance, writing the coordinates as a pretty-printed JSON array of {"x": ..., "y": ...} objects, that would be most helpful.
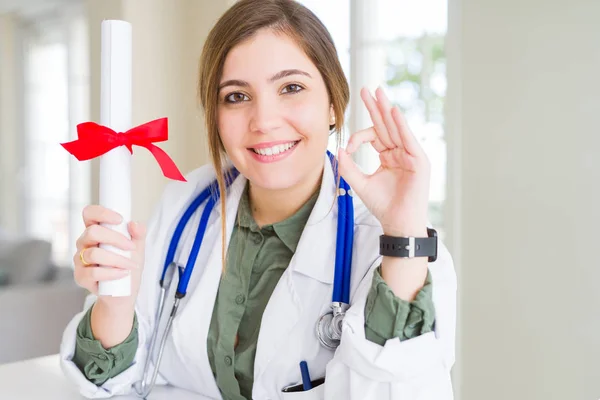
[{"x": 113, "y": 139}]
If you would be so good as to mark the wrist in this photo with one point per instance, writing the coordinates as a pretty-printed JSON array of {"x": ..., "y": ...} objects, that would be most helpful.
[
  {"x": 115, "y": 307},
  {"x": 111, "y": 324},
  {"x": 417, "y": 230},
  {"x": 405, "y": 276}
]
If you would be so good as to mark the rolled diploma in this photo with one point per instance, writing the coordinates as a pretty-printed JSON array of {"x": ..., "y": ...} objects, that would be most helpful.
[{"x": 115, "y": 113}]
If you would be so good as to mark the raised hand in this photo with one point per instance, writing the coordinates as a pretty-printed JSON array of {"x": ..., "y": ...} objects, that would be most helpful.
[{"x": 397, "y": 194}]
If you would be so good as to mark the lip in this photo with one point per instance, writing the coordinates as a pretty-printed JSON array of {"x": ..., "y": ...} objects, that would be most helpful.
[
  {"x": 275, "y": 157},
  {"x": 271, "y": 144}
]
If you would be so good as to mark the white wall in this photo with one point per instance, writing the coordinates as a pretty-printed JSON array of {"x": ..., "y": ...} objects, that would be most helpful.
[
  {"x": 167, "y": 42},
  {"x": 525, "y": 190}
]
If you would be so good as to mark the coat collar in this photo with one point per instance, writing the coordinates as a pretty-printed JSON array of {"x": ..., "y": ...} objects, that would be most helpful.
[{"x": 319, "y": 224}]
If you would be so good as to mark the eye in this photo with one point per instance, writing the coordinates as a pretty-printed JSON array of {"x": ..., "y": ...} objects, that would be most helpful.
[
  {"x": 292, "y": 88},
  {"x": 236, "y": 97}
]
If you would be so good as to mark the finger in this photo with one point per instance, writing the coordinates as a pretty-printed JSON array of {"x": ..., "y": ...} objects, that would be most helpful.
[
  {"x": 95, "y": 214},
  {"x": 98, "y": 234},
  {"x": 107, "y": 258},
  {"x": 411, "y": 144},
  {"x": 138, "y": 236},
  {"x": 350, "y": 172},
  {"x": 385, "y": 108},
  {"x": 360, "y": 137},
  {"x": 137, "y": 231},
  {"x": 400, "y": 158},
  {"x": 100, "y": 274},
  {"x": 377, "y": 119},
  {"x": 364, "y": 136},
  {"x": 83, "y": 279},
  {"x": 89, "y": 277}
]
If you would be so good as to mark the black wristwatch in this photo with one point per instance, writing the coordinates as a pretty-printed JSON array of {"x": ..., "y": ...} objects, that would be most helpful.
[{"x": 409, "y": 247}]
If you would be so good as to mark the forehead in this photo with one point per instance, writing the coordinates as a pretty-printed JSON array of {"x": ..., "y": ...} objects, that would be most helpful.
[{"x": 265, "y": 54}]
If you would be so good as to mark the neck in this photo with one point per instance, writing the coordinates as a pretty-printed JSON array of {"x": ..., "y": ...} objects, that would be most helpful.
[{"x": 272, "y": 206}]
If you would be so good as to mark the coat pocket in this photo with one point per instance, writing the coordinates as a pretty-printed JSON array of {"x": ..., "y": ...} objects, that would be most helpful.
[{"x": 296, "y": 392}]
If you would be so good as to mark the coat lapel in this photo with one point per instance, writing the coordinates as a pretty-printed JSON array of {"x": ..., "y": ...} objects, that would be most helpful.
[{"x": 314, "y": 258}]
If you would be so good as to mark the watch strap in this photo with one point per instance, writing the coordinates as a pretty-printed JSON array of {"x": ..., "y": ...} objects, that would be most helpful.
[{"x": 409, "y": 247}]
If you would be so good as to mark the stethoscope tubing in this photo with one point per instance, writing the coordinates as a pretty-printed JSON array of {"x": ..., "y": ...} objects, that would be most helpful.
[{"x": 342, "y": 272}]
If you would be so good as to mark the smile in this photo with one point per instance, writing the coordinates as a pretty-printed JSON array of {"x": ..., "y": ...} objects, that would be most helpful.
[{"x": 274, "y": 152}]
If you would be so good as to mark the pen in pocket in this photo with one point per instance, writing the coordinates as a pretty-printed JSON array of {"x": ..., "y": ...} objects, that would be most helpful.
[{"x": 306, "y": 384}]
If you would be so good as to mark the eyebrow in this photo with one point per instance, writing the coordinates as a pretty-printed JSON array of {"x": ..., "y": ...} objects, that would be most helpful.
[{"x": 277, "y": 76}]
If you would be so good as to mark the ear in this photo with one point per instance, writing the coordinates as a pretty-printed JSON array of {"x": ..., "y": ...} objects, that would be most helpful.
[{"x": 331, "y": 117}]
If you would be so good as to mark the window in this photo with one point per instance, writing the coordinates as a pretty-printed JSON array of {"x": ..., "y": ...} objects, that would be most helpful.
[
  {"x": 335, "y": 14},
  {"x": 56, "y": 97},
  {"x": 415, "y": 78},
  {"x": 398, "y": 44}
]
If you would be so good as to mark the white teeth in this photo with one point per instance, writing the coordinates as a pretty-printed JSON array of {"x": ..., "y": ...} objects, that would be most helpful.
[{"x": 275, "y": 149}]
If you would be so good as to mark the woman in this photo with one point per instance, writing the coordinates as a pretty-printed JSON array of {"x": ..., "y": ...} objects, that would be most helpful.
[{"x": 272, "y": 90}]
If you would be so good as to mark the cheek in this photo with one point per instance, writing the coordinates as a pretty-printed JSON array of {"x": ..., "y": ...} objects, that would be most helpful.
[
  {"x": 230, "y": 126},
  {"x": 310, "y": 120}
]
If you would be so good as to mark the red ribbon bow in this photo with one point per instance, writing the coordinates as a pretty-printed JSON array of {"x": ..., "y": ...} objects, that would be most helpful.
[{"x": 95, "y": 140}]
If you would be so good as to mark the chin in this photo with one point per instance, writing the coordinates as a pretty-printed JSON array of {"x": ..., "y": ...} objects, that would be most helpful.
[{"x": 275, "y": 180}]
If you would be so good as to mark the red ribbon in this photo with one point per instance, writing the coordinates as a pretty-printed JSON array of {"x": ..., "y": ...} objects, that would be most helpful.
[{"x": 95, "y": 140}]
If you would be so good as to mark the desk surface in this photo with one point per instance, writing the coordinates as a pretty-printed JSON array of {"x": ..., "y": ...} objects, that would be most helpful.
[{"x": 42, "y": 379}]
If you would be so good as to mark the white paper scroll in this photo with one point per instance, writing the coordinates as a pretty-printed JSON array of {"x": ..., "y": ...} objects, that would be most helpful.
[{"x": 115, "y": 113}]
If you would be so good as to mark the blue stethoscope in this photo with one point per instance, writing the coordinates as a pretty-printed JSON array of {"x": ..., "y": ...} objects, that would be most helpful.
[{"x": 329, "y": 326}]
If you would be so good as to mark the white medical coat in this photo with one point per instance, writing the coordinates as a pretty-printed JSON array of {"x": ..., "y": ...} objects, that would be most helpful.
[{"x": 415, "y": 369}]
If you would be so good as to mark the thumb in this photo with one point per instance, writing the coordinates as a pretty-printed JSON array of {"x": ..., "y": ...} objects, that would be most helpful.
[
  {"x": 350, "y": 172},
  {"x": 138, "y": 236},
  {"x": 138, "y": 232}
]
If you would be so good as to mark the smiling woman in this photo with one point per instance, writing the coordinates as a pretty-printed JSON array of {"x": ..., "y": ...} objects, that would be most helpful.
[
  {"x": 284, "y": 101},
  {"x": 269, "y": 93},
  {"x": 295, "y": 262}
]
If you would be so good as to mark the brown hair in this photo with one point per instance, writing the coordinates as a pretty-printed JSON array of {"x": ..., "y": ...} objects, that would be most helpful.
[{"x": 240, "y": 23}]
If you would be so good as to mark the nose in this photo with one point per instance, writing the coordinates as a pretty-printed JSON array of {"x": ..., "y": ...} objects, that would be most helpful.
[{"x": 266, "y": 115}]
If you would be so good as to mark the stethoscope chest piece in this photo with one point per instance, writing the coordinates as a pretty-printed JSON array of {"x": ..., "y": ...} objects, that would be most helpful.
[{"x": 329, "y": 326}]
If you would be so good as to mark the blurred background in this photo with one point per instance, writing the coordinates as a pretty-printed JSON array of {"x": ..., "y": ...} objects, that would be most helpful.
[{"x": 503, "y": 95}]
